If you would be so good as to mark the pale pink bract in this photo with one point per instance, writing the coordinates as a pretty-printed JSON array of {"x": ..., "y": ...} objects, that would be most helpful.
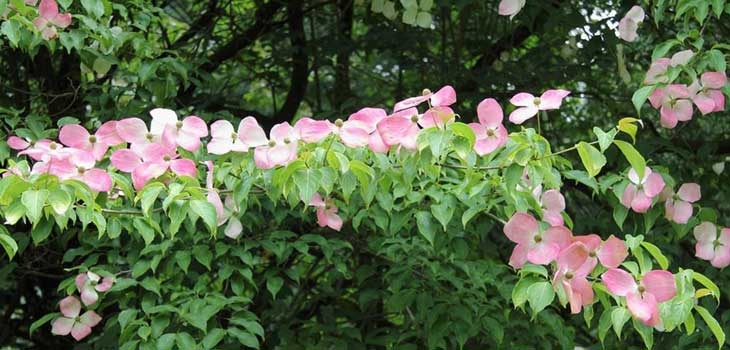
[
  {"x": 79, "y": 326},
  {"x": 643, "y": 298},
  {"x": 529, "y": 105}
]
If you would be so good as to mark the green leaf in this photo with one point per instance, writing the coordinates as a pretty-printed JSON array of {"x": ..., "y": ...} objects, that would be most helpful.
[
  {"x": 11, "y": 29},
  {"x": 41, "y": 321},
  {"x": 715, "y": 326},
  {"x": 604, "y": 324},
  {"x": 640, "y": 97},
  {"x": 41, "y": 231},
  {"x": 94, "y": 7},
  {"x": 8, "y": 243},
  {"x": 203, "y": 255},
  {"x": 125, "y": 317},
  {"x": 308, "y": 181},
  {"x": 60, "y": 201},
  {"x": 444, "y": 211},
  {"x": 273, "y": 285},
  {"x": 213, "y": 338},
  {"x": 593, "y": 160},
  {"x": 707, "y": 283},
  {"x": 149, "y": 195},
  {"x": 628, "y": 126},
  {"x": 377, "y": 5},
  {"x": 425, "y": 5},
  {"x": 717, "y": 60},
  {"x": 604, "y": 138},
  {"x": 426, "y": 227},
  {"x": 409, "y": 15},
  {"x": 540, "y": 295},
  {"x": 521, "y": 290},
  {"x": 636, "y": 160},
  {"x": 101, "y": 66},
  {"x": 646, "y": 333},
  {"x": 182, "y": 258},
  {"x": 207, "y": 211},
  {"x": 619, "y": 316},
  {"x": 145, "y": 230},
  {"x": 185, "y": 341},
  {"x": 657, "y": 254},
  {"x": 619, "y": 215},
  {"x": 244, "y": 337},
  {"x": 34, "y": 200}
]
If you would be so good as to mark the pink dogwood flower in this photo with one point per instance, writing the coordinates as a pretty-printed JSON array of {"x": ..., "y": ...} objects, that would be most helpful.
[
  {"x": 80, "y": 165},
  {"x": 510, "y": 7},
  {"x": 312, "y": 130},
  {"x": 674, "y": 104},
  {"x": 281, "y": 149},
  {"x": 678, "y": 207},
  {"x": 711, "y": 246},
  {"x": 224, "y": 213},
  {"x": 572, "y": 278},
  {"x": 707, "y": 95},
  {"x": 529, "y": 105},
  {"x": 76, "y": 136},
  {"x": 610, "y": 253},
  {"x": 151, "y": 161},
  {"x": 326, "y": 212},
  {"x": 400, "y": 128},
  {"x": 71, "y": 323},
  {"x": 630, "y": 23},
  {"x": 533, "y": 244},
  {"x": 368, "y": 119},
  {"x": 186, "y": 133},
  {"x": 490, "y": 131},
  {"x": 45, "y": 150},
  {"x": 224, "y": 139},
  {"x": 639, "y": 193},
  {"x": 49, "y": 19},
  {"x": 446, "y": 96},
  {"x": 89, "y": 286},
  {"x": 643, "y": 298}
]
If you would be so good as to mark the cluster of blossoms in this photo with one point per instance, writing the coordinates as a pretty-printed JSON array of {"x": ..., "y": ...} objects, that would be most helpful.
[
  {"x": 148, "y": 153},
  {"x": 72, "y": 321},
  {"x": 674, "y": 101},
  {"x": 576, "y": 257}
]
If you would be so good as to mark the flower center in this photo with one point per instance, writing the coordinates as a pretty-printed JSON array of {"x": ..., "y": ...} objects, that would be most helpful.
[
  {"x": 490, "y": 132},
  {"x": 569, "y": 275},
  {"x": 92, "y": 139},
  {"x": 716, "y": 243},
  {"x": 179, "y": 124},
  {"x": 425, "y": 92},
  {"x": 234, "y": 136},
  {"x": 339, "y": 123},
  {"x": 536, "y": 101},
  {"x": 166, "y": 158},
  {"x": 592, "y": 254},
  {"x": 414, "y": 118},
  {"x": 149, "y": 136},
  {"x": 81, "y": 170},
  {"x": 538, "y": 238},
  {"x": 287, "y": 140},
  {"x": 53, "y": 146},
  {"x": 642, "y": 289},
  {"x": 272, "y": 143}
]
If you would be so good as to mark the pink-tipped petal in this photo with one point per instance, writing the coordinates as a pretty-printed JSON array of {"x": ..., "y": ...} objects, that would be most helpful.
[
  {"x": 446, "y": 96},
  {"x": 89, "y": 295},
  {"x": 552, "y": 99},
  {"x": 125, "y": 160},
  {"x": 636, "y": 13},
  {"x": 713, "y": 80},
  {"x": 410, "y": 102},
  {"x": 681, "y": 211},
  {"x": 74, "y": 135},
  {"x": 627, "y": 29},
  {"x": 619, "y": 282},
  {"x": 195, "y": 126},
  {"x": 628, "y": 196},
  {"x": 437, "y": 117},
  {"x": 105, "y": 285},
  {"x": 722, "y": 252},
  {"x": 658, "y": 97},
  {"x": 48, "y": 8},
  {"x": 251, "y": 133},
  {"x": 313, "y": 131},
  {"x": 510, "y": 7},
  {"x": 490, "y": 112},
  {"x": 132, "y": 130},
  {"x": 521, "y": 228},
  {"x": 184, "y": 167},
  {"x": 162, "y": 118},
  {"x": 17, "y": 143},
  {"x": 80, "y": 331},
  {"x": 553, "y": 217},
  {"x": 543, "y": 253},
  {"x": 353, "y": 136},
  {"x": 392, "y": 129},
  {"x": 519, "y": 256},
  {"x": 520, "y": 115},
  {"x": 661, "y": 284},
  {"x": 645, "y": 308},
  {"x": 641, "y": 202},
  {"x": 705, "y": 234},
  {"x": 572, "y": 257},
  {"x": 689, "y": 192},
  {"x": 523, "y": 99},
  {"x": 98, "y": 180},
  {"x": 376, "y": 143},
  {"x": 681, "y": 58},
  {"x": 613, "y": 252},
  {"x": 553, "y": 200},
  {"x": 107, "y": 134},
  {"x": 62, "y": 326},
  {"x": 70, "y": 307},
  {"x": 653, "y": 185}
]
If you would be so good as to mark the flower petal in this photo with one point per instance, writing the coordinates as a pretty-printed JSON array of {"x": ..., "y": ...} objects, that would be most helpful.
[
  {"x": 490, "y": 112},
  {"x": 552, "y": 99},
  {"x": 644, "y": 309},
  {"x": 661, "y": 284},
  {"x": 619, "y": 282},
  {"x": 70, "y": 306},
  {"x": 520, "y": 115},
  {"x": 613, "y": 252},
  {"x": 521, "y": 228},
  {"x": 62, "y": 326},
  {"x": 689, "y": 192},
  {"x": 446, "y": 96}
]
